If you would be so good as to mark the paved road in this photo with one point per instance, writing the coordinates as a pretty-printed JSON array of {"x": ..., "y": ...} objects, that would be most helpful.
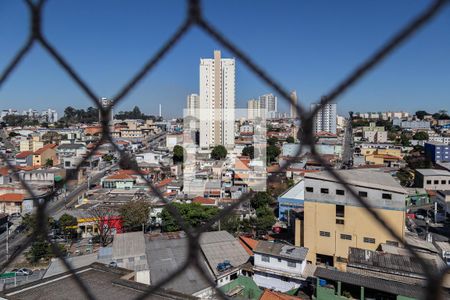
[
  {"x": 12, "y": 282},
  {"x": 54, "y": 207}
]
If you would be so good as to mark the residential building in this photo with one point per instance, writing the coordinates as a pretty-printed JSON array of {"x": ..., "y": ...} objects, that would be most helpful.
[
  {"x": 24, "y": 159},
  {"x": 193, "y": 105},
  {"x": 168, "y": 251},
  {"x": 293, "y": 105},
  {"x": 32, "y": 144},
  {"x": 292, "y": 199},
  {"x": 432, "y": 179},
  {"x": 334, "y": 220},
  {"x": 278, "y": 266},
  {"x": 71, "y": 149},
  {"x": 253, "y": 109},
  {"x": 218, "y": 247},
  {"x": 374, "y": 134},
  {"x": 49, "y": 116},
  {"x": 269, "y": 104},
  {"x": 106, "y": 103},
  {"x": 326, "y": 117},
  {"x": 437, "y": 151},
  {"x": 11, "y": 203},
  {"x": 217, "y": 101},
  {"x": 413, "y": 124},
  {"x": 44, "y": 154}
]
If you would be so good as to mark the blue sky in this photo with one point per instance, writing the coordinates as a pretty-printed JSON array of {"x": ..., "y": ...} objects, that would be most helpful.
[{"x": 308, "y": 46}]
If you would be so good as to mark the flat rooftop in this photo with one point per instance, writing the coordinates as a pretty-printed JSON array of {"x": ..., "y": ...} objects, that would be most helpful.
[
  {"x": 101, "y": 281},
  {"x": 361, "y": 177},
  {"x": 281, "y": 250},
  {"x": 433, "y": 172}
]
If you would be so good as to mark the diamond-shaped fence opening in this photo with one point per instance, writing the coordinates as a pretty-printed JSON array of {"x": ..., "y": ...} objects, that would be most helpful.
[{"x": 45, "y": 204}]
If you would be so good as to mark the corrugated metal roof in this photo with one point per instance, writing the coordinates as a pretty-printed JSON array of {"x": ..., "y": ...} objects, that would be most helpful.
[
  {"x": 378, "y": 284},
  {"x": 281, "y": 250}
]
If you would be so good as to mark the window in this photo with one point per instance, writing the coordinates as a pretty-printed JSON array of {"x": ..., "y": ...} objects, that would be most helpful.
[
  {"x": 325, "y": 233},
  {"x": 311, "y": 189},
  {"x": 362, "y": 194},
  {"x": 340, "y": 211},
  {"x": 279, "y": 260},
  {"x": 324, "y": 191},
  {"x": 340, "y": 192},
  {"x": 442, "y": 181},
  {"x": 291, "y": 264},
  {"x": 346, "y": 237},
  {"x": 340, "y": 221},
  {"x": 369, "y": 240},
  {"x": 436, "y": 182},
  {"x": 386, "y": 196},
  {"x": 265, "y": 258}
]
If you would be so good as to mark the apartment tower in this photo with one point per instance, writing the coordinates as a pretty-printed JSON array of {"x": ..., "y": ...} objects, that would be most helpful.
[{"x": 217, "y": 101}]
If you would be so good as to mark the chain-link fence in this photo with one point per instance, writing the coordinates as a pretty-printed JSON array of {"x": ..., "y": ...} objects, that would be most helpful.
[{"x": 195, "y": 18}]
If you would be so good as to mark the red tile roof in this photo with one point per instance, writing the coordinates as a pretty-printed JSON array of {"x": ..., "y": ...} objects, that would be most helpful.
[
  {"x": 205, "y": 201},
  {"x": 272, "y": 295},
  {"x": 45, "y": 148},
  {"x": 164, "y": 182},
  {"x": 24, "y": 154},
  {"x": 248, "y": 244},
  {"x": 4, "y": 171},
  {"x": 12, "y": 197}
]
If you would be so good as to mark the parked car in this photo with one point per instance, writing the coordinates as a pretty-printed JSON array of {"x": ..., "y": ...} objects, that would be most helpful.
[
  {"x": 15, "y": 215},
  {"x": 113, "y": 264},
  {"x": 22, "y": 272}
]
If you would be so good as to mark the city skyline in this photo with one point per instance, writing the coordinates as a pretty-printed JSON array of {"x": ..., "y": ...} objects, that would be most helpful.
[{"x": 393, "y": 85}]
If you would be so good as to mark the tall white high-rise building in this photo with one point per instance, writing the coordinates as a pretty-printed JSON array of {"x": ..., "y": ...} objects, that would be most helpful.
[
  {"x": 293, "y": 105},
  {"x": 193, "y": 105},
  {"x": 107, "y": 103},
  {"x": 269, "y": 103},
  {"x": 253, "y": 110},
  {"x": 325, "y": 119},
  {"x": 217, "y": 101},
  {"x": 49, "y": 115}
]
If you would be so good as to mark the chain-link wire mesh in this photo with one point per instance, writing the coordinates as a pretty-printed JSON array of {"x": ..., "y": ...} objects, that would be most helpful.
[{"x": 194, "y": 18}]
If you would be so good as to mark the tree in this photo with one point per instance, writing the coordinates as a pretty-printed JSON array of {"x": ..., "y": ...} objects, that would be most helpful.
[
  {"x": 102, "y": 217},
  {"x": 420, "y": 114},
  {"x": 405, "y": 139},
  {"x": 272, "y": 141},
  {"x": 421, "y": 135},
  {"x": 290, "y": 140},
  {"x": 265, "y": 218},
  {"x": 193, "y": 214},
  {"x": 249, "y": 151},
  {"x": 178, "y": 154},
  {"x": 272, "y": 153},
  {"x": 49, "y": 163},
  {"x": 261, "y": 199},
  {"x": 134, "y": 214},
  {"x": 230, "y": 223},
  {"x": 68, "y": 224},
  {"x": 219, "y": 152}
]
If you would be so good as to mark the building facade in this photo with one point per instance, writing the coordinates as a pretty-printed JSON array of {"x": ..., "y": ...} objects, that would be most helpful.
[
  {"x": 325, "y": 119},
  {"x": 437, "y": 151},
  {"x": 217, "y": 101},
  {"x": 335, "y": 220}
]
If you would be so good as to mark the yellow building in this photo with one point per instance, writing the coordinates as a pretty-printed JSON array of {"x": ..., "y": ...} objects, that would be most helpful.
[
  {"x": 45, "y": 153},
  {"x": 335, "y": 221}
]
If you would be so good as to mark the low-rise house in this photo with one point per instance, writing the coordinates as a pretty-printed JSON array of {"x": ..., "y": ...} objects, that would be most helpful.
[
  {"x": 432, "y": 179},
  {"x": 5, "y": 177},
  {"x": 44, "y": 154},
  {"x": 71, "y": 149},
  {"x": 11, "y": 203},
  {"x": 278, "y": 266},
  {"x": 24, "y": 159},
  {"x": 224, "y": 255}
]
